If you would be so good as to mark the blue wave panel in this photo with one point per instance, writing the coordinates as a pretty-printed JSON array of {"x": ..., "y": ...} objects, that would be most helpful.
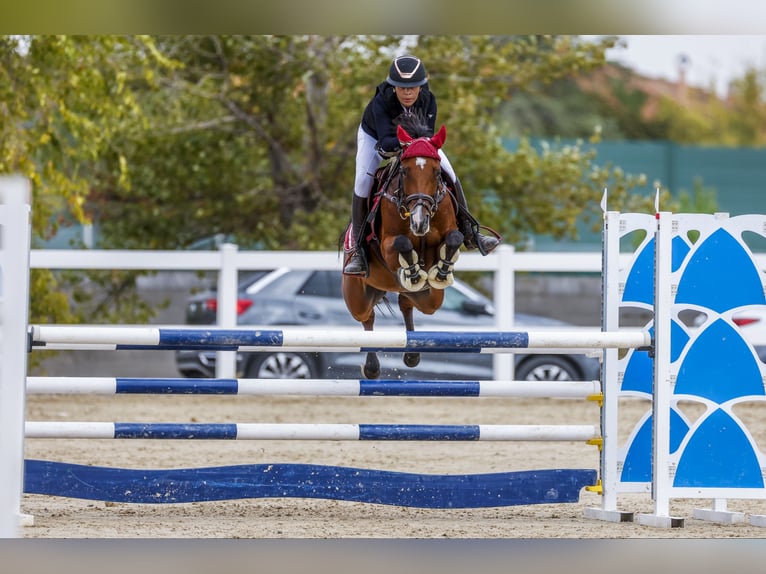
[
  {"x": 637, "y": 466},
  {"x": 638, "y": 374},
  {"x": 719, "y": 366},
  {"x": 680, "y": 249},
  {"x": 305, "y": 481},
  {"x": 679, "y": 338},
  {"x": 639, "y": 286},
  {"x": 719, "y": 454},
  {"x": 736, "y": 278}
]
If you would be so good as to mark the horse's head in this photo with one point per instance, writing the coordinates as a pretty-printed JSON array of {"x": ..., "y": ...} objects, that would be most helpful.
[{"x": 422, "y": 184}]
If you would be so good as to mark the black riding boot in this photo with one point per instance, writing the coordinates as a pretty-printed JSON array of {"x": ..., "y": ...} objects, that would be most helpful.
[
  {"x": 357, "y": 265},
  {"x": 469, "y": 227}
]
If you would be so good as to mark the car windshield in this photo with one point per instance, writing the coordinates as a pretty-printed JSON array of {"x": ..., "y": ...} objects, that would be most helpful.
[{"x": 281, "y": 282}]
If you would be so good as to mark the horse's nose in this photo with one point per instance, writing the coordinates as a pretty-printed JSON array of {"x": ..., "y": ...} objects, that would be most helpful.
[{"x": 420, "y": 220}]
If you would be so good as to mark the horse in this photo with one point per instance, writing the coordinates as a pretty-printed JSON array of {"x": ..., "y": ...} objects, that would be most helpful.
[{"x": 413, "y": 241}]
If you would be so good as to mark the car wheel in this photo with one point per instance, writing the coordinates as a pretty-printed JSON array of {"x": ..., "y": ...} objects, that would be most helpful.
[
  {"x": 546, "y": 368},
  {"x": 281, "y": 365}
]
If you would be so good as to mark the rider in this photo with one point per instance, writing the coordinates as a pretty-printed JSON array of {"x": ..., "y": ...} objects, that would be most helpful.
[{"x": 404, "y": 91}]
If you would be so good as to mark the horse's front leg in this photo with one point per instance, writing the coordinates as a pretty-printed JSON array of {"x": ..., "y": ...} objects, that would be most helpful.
[
  {"x": 440, "y": 276},
  {"x": 405, "y": 306},
  {"x": 411, "y": 275}
]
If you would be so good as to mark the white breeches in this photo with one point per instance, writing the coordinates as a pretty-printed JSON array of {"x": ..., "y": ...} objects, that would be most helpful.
[{"x": 368, "y": 159}]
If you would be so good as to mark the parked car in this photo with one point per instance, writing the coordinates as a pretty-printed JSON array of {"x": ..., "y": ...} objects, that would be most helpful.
[{"x": 313, "y": 298}]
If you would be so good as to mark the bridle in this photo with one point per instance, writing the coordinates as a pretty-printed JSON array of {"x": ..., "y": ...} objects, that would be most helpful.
[{"x": 405, "y": 204}]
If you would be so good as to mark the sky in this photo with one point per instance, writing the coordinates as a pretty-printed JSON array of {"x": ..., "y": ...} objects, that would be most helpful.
[{"x": 711, "y": 60}]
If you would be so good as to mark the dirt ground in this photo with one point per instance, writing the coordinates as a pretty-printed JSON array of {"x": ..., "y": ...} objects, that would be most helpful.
[{"x": 56, "y": 517}]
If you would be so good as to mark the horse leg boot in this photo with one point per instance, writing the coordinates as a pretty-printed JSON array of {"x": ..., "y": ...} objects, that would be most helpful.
[
  {"x": 357, "y": 264},
  {"x": 468, "y": 225}
]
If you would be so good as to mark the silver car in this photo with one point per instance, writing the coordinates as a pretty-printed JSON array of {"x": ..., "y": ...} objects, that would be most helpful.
[{"x": 308, "y": 297}]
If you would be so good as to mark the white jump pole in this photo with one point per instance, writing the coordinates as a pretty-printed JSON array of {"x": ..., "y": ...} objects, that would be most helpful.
[
  {"x": 257, "y": 339},
  {"x": 663, "y": 301},
  {"x": 226, "y": 361},
  {"x": 312, "y": 387},
  {"x": 610, "y": 311},
  {"x": 15, "y": 201},
  {"x": 313, "y": 431}
]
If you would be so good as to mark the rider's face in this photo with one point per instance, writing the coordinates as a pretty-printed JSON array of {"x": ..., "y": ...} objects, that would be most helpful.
[{"x": 407, "y": 96}]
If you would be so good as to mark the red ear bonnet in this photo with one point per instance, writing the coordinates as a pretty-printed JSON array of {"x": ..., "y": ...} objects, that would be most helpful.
[
  {"x": 404, "y": 138},
  {"x": 438, "y": 139},
  {"x": 421, "y": 147}
]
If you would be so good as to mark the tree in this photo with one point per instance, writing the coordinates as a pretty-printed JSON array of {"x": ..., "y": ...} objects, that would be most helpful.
[
  {"x": 63, "y": 100},
  {"x": 254, "y": 137}
]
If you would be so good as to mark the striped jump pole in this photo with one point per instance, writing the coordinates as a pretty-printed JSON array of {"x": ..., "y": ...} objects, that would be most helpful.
[
  {"x": 312, "y": 387},
  {"x": 290, "y": 431},
  {"x": 217, "y": 339}
]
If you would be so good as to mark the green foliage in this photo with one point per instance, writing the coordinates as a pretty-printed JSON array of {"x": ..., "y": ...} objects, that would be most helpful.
[
  {"x": 560, "y": 111},
  {"x": 63, "y": 102},
  {"x": 254, "y": 137},
  {"x": 700, "y": 200}
]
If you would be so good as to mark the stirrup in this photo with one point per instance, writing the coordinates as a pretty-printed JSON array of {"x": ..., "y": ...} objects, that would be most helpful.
[
  {"x": 485, "y": 244},
  {"x": 473, "y": 239}
]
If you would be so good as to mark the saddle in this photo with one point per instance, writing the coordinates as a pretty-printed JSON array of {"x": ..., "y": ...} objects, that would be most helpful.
[{"x": 385, "y": 172}]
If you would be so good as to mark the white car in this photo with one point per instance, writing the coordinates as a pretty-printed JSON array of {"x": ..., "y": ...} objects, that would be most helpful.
[{"x": 751, "y": 322}]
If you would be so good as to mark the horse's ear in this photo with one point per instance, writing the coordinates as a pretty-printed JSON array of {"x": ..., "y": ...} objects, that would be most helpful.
[
  {"x": 404, "y": 138},
  {"x": 438, "y": 139}
]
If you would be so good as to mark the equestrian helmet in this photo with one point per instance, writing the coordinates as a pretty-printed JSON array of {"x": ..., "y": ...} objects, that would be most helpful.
[{"x": 407, "y": 72}]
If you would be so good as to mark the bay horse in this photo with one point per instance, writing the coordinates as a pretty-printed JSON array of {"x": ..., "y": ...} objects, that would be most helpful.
[{"x": 413, "y": 241}]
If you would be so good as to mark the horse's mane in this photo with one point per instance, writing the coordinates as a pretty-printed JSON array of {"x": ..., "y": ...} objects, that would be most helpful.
[{"x": 414, "y": 124}]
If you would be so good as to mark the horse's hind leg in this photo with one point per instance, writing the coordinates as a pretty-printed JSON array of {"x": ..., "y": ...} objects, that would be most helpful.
[
  {"x": 371, "y": 368},
  {"x": 411, "y": 359},
  {"x": 360, "y": 300}
]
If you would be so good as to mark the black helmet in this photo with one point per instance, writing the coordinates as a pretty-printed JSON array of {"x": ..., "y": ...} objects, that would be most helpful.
[{"x": 407, "y": 72}]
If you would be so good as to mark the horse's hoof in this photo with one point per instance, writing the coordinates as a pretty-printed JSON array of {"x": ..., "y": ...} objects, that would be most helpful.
[
  {"x": 370, "y": 373},
  {"x": 440, "y": 280},
  {"x": 413, "y": 283},
  {"x": 412, "y": 359}
]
